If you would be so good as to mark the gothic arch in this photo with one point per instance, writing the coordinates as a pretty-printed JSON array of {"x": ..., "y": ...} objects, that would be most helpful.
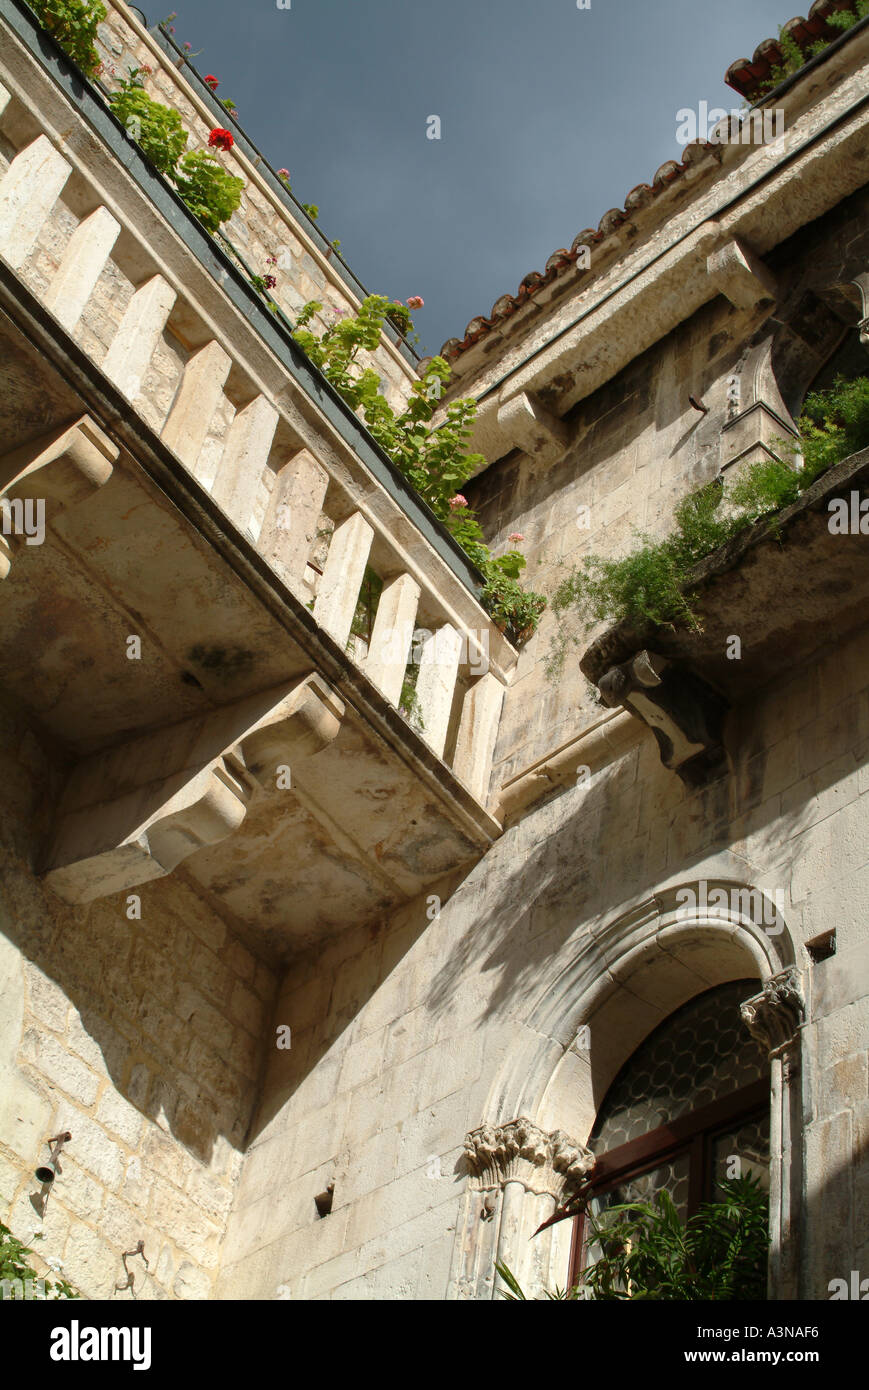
[{"x": 639, "y": 969}]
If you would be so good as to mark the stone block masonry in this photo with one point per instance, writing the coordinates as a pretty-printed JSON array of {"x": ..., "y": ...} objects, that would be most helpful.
[{"x": 143, "y": 1037}]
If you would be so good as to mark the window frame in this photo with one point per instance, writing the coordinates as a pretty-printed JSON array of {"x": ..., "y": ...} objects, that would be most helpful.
[{"x": 693, "y": 1134}]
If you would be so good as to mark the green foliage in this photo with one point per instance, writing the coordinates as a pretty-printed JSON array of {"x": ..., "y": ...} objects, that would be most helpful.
[
  {"x": 719, "y": 1255},
  {"x": 157, "y": 129},
  {"x": 13, "y": 1266},
  {"x": 73, "y": 23},
  {"x": 434, "y": 461},
  {"x": 211, "y": 193},
  {"x": 646, "y": 1253},
  {"x": 795, "y": 57},
  {"x": 651, "y": 583}
]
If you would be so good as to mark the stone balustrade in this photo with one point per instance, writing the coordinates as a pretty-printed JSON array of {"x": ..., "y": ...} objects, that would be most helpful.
[{"x": 316, "y": 514}]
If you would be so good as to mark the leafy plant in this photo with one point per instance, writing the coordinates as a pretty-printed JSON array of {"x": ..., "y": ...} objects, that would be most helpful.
[
  {"x": 646, "y": 1253},
  {"x": 157, "y": 129},
  {"x": 212, "y": 194},
  {"x": 14, "y": 1266},
  {"x": 651, "y": 584},
  {"x": 434, "y": 461},
  {"x": 73, "y": 23},
  {"x": 795, "y": 58}
]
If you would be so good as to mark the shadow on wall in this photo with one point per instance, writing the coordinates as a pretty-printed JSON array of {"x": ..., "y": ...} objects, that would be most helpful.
[{"x": 169, "y": 1006}]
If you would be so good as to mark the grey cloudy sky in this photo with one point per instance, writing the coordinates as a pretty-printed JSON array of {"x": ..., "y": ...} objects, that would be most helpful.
[{"x": 549, "y": 115}]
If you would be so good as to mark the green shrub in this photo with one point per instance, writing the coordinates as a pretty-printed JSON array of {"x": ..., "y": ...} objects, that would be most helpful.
[
  {"x": 73, "y": 24},
  {"x": 649, "y": 585},
  {"x": 211, "y": 193},
  {"x": 646, "y": 1253},
  {"x": 157, "y": 129},
  {"x": 14, "y": 1267}
]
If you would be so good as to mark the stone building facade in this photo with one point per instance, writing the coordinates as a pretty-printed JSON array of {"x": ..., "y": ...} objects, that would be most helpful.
[{"x": 466, "y": 932}]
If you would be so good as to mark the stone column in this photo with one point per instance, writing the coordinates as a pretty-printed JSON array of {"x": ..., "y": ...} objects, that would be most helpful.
[
  {"x": 244, "y": 458},
  {"x": 28, "y": 191},
  {"x": 436, "y": 683},
  {"x": 140, "y": 330},
  {"x": 295, "y": 506},
  {"x": 199, "y": 395},
  {"x": 392, "y": 635},
  {"x": 519, "y": 1175},
  {"x": 774, "y": 1017},
  {"x": 478, "y": 730},
  {"x": 342, "y": 578},
  {"x": 81, "y": 265}
]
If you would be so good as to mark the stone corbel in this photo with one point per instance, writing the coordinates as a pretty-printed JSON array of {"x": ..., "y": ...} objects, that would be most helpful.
[
  {"x": 522, "y": 1152},
  {"x": 59, "y": 470},
  {"x": 685, "y": 714},
  {"x": 134, "y": 813},
  {"x": 773, "y": 1017},
  {"x": 741, "y": 276},
  {"x": 533, "y": 429}
]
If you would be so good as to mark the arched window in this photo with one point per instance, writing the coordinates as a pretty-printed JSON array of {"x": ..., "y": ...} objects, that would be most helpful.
[{"x": 692, "y": 1098}]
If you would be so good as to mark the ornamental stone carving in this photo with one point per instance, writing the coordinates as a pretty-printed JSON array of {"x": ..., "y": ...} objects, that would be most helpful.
[
  {"x": 522, "y": 1152},
  {"x": 774, "y": 1015}
]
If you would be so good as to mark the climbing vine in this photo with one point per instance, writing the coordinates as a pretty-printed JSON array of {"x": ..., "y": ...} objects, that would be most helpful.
[{"x": 434, "y": 461}]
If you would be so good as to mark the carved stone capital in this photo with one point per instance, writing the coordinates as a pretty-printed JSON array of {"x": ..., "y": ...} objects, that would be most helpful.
[
  {"x": 863, "y": 330},
  {"x": 522, "y": 1152},
  {"x": 683, "y": 712},
  {"x": 774, "y": 1015}
]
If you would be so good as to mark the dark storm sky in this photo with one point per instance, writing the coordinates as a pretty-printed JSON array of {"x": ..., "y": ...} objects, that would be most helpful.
[{"x": 549, "y": 115}]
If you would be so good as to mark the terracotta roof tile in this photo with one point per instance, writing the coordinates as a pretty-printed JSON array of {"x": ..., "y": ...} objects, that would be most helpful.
[{"x": 745, "y": 77}]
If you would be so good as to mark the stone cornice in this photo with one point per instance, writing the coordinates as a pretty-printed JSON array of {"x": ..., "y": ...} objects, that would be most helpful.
[{"x": 522, "y": 1152}]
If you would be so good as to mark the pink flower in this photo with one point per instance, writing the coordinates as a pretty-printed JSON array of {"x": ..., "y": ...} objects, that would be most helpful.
[
  {"x": 283, "y": 173},
  {"x": 221, "y": 139},
  {"x": 270, "y": 282},
  {"x": 458, "y": 501},
  {"x": 415, "y": 302},
  {"x": 516, "y": 536},
  {"x": 271, "y": 260}
]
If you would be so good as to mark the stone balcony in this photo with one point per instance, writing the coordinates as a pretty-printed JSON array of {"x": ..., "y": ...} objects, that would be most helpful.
[
  {"x": 179, "y": 626},
  {"x": 766, "y": 603}
]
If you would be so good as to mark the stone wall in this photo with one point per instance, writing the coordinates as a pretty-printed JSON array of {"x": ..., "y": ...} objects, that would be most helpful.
[
  {"x": 406, "y": 1038},
  {"x": 142, "y": 1037}
]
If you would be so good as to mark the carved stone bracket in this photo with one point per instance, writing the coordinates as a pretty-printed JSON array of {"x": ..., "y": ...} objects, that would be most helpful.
[
  {"x": 741, "y": 276},
  {"x": 522, "y": 1152},
  {"x": 135, "y": 812},
  {"x": 58, "y": 471},
  {"x": 774, "y": 1016},
  {"x": 684, "y": 713},
  {"x": 533, "y": 429}
]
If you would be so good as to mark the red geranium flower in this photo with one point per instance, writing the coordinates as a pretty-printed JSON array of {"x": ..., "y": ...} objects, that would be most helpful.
[
  {"x": 221, "y": 139},
  {"x": 212, "y": 82}
]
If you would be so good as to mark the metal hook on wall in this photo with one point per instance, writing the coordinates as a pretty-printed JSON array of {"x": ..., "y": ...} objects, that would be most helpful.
[{"x": 131, "y": 1276}]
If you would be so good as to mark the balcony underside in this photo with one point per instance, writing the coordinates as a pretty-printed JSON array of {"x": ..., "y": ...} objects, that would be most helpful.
[{"x": 232, "y": 667}]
